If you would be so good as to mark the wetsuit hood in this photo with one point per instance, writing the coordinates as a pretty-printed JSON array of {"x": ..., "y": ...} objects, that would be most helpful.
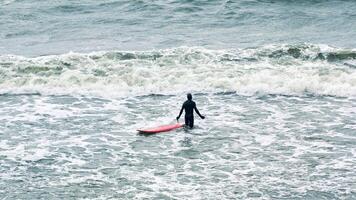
[{"x": 189, "y": 96}]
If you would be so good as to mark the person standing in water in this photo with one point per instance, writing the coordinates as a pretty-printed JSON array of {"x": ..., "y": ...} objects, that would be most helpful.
[{"x": 188, "y": 107}]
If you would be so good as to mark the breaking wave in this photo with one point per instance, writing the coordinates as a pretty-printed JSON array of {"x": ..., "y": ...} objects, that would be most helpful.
[{"x": 273, "y": 69}]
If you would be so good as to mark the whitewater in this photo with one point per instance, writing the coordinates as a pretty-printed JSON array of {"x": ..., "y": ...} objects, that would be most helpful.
[
  {"x": 276, "y": 81},
  {"x": 284, "y": 69}
]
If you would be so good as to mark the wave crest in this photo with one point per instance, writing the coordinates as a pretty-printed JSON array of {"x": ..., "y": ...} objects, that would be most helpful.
[{"x": 273, "y": 69}]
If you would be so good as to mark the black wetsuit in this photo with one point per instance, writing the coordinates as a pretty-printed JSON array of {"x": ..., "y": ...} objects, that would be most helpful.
[{"x": 189, "y": 106}]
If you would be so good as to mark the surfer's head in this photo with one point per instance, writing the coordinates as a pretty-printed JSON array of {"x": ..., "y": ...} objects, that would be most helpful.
[{"x": 189, "y": 96}]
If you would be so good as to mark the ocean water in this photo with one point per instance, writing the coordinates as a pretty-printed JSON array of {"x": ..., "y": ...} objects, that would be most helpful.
[{"x": 276, "y": 81}]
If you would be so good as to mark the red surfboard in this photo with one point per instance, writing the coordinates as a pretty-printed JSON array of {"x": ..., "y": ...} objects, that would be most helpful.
[{"x": 160, "y": 128}]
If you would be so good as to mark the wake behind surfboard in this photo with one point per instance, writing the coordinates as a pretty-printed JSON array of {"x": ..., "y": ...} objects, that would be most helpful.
[{"x": 160, "y": 129}]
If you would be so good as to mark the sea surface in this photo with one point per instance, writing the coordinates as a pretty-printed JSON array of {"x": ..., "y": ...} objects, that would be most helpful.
[{"x": 275, "y": 79}]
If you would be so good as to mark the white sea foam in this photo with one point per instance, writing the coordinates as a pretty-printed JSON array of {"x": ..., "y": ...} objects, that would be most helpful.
[
  {"x": 265, "y": 140},
  {"x": 245, "y": 146},
  {"x": 269, "y": 70}
]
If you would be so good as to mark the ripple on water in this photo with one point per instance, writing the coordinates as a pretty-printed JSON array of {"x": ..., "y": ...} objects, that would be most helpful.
[{"x": 277, "y": 147}]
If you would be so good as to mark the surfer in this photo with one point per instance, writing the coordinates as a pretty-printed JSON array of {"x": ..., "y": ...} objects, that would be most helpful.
[{"x": 188, "y": 107}]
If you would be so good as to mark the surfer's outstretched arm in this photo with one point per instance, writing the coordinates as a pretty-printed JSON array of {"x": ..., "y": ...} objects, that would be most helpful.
[
  {"x": 180, "y": 113},
  {"x": 197, "y": 111}
]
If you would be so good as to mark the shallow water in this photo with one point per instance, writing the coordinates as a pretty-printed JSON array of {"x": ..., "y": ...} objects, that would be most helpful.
[
  {"x": 276, "y": 81},
  {"x": 273, "y": 146}
]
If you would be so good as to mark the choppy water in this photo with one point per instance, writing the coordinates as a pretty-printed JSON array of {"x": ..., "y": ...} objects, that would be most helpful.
[
  {"x": 279, "y": 147},
  {"x": 276, "y": 81},
  {"x": 41, "y": 28}
]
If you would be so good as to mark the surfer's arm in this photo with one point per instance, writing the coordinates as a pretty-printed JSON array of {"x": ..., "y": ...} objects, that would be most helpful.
[
  {"x": 180, "y": 113},
  {"x": 197, "y": 111}
]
